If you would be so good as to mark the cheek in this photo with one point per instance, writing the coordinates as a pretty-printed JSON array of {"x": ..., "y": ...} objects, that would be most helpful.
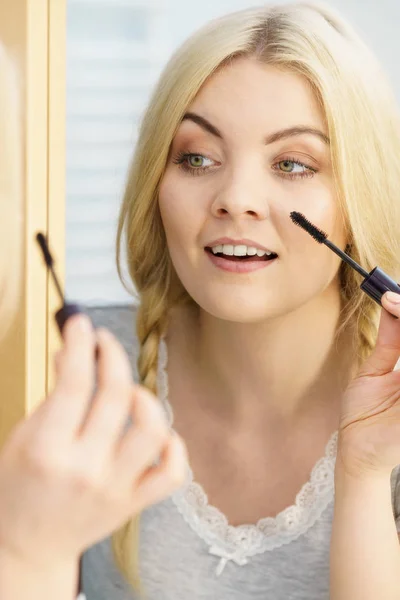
[
  {"x": 180, "y": 213},
  {"x": 327, "y": 216},
  {"x": 320, "y": 207}
]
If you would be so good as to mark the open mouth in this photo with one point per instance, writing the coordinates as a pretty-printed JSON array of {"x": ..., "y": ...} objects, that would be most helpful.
[{"x": 245, "y": 258}]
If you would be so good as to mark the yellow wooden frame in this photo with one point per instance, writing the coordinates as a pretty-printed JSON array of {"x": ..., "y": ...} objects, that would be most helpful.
[{"x": 34, "y": 32}]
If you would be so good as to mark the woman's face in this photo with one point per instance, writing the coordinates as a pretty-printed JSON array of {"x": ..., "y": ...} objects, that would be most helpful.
[{"x": 251, "y": 148}]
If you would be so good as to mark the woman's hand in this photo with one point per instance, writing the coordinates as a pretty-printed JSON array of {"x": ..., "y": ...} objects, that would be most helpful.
[
  {"x": 73, "y": 471},
  {"x": 369, "y": 432}
]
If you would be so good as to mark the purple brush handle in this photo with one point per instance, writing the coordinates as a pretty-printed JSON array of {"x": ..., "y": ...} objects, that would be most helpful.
[
  {"x": 67, "y": 311},
  {"x": 377, "y": 283}
]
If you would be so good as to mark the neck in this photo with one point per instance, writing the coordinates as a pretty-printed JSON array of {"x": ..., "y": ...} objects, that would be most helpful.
[{"x": 284, "y": 368}]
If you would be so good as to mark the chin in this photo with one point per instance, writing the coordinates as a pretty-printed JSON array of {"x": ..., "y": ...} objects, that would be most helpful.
[{"x": 238, "y": 308}]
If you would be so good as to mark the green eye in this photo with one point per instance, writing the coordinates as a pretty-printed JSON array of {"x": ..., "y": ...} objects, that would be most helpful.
[
  {"x": 286, "y": 165},
  {"x": 196, "y": 160},
  {"x": 291, "y": 168},
  {"x": 193, "y": 164}
]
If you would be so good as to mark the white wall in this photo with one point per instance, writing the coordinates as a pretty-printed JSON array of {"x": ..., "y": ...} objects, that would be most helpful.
[{"x": 115, "y": 52}]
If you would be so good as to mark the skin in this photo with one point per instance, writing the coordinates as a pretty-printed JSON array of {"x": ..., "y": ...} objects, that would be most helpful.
[
  {"x": 71, "y": 473},
  {"x": 263, "y": 340}
]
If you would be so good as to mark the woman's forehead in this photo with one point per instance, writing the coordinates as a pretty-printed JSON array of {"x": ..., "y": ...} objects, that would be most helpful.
[
  {"x": 284, "y": 118},
  {"x": 248, "y": 93}
]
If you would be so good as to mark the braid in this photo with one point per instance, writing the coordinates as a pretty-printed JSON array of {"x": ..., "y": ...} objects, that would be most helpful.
[
  {"x": 151, "y": 323},
  {"x": 150, "y": 326}
]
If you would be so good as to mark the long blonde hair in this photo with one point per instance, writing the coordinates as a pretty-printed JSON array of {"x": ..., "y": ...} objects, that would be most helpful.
[
  {"x": 10, "y": 190},
  {"x": 363, "y": 125}
]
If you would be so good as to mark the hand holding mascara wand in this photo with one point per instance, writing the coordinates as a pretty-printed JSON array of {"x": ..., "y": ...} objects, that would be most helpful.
[
  {"x": 123, "y": 444},
  {"x": 61, "y": 317},
  {"x": 368, "y": 449},
  {"x": 375, "y": 284}
]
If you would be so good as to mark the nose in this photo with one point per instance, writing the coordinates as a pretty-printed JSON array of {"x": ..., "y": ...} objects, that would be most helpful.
[{"x": 244, "y": 195}]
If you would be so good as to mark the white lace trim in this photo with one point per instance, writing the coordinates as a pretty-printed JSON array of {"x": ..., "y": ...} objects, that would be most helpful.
[{"x": 238, "y": 543}]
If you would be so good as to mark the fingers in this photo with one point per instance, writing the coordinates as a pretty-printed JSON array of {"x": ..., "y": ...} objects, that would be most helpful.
[
  {"x": 161, "y": 481},
  {"x": 386, "y": 353},
  {"x": 144, "y": 441},
  {"x": 75, "y": 363},
  {"x": 121, "y": 454},
  {"x": 75, "y": 369},
  {"x": 112, "y": 403}
]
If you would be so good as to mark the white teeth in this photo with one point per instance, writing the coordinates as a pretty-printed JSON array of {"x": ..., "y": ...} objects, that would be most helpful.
[
  {"x": 227, "y": 249},
  {"x": 239, "y": 250}
]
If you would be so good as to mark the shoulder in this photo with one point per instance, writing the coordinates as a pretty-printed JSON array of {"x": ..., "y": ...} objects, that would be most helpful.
[
  {"x": 102, "y": 579},
  {"x": 121, "y": 321}
]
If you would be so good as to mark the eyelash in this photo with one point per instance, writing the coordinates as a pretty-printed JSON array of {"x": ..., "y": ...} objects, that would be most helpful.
[{"x": 184, "y": 156}]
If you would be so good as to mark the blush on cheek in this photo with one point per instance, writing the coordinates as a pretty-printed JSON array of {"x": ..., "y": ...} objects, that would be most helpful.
[
  {"x": 181, "y": 205},
  {"x": 172, "y": 195}
]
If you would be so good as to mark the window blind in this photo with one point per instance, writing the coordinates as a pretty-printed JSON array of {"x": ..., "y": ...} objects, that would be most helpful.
[{"x": 115, "y": 52}]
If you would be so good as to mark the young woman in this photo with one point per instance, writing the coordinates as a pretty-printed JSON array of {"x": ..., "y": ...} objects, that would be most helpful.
[
  {"x": 69, "y": 475},
  {"x": 268, "y": 358}
]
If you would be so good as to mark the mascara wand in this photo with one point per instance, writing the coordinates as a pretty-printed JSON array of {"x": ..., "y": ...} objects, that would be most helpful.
[
  {"x": 68, "y": 309},
  {"x": 375, "y": 283}
]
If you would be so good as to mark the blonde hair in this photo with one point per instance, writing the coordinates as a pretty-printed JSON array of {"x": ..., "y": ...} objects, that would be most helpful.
[
  {"x": 363, "y": 126},
  {"x": 10, "y": 191}
]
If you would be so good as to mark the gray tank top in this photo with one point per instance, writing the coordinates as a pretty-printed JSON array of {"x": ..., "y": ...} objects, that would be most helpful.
[{"x": 188, "y": 550}]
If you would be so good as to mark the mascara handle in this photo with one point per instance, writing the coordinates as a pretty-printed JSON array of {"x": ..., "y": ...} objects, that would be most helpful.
[
  {"x": 67, "y": 311},
  {"x": 377, "y": 284}
]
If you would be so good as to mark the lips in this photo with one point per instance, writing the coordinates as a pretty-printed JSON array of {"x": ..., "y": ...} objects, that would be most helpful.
[
  {"x": 246, "y": 258},
  {"x": 240, "y": 265}
]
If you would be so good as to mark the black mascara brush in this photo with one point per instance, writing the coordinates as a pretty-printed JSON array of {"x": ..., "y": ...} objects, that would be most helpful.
[
  {"x": 375, "y": 283},
  {"x": 67, "y": 309}
]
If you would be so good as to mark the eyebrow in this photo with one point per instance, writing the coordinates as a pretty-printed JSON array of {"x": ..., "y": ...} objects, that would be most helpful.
[
  {"x": 273, "y": 137},
  {"x": 297, "y": 130},
  {"x": 203, "y": 123}
]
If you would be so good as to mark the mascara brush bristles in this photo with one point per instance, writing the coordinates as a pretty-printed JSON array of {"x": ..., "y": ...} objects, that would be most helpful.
[
  {"x": 299, "y": 219},
  {"x": 46, "y": 252},
  {"x": 48, "y": 258},
  {"x": 322, "y": 238}
]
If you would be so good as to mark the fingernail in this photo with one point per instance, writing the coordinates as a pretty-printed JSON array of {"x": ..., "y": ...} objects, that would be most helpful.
[
  {"x": 393, "y": 297},
  {"x": 83, "y": 323}
]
